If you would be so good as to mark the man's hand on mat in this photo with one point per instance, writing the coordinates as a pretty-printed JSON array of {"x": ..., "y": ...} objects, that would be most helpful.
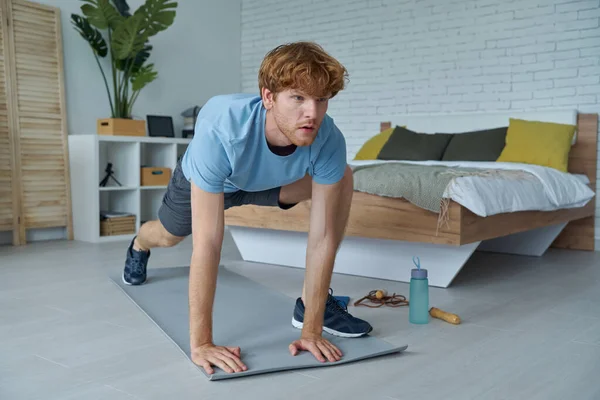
[
  {"x": 320, "y": 347},
  {"x": 226, "y": 358}
]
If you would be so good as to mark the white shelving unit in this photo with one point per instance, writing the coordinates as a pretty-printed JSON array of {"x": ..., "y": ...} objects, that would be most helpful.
[{"x": 88, "y": 157}]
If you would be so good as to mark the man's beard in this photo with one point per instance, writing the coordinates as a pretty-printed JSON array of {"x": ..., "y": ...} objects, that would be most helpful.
[{"x": 290, "y": 130}]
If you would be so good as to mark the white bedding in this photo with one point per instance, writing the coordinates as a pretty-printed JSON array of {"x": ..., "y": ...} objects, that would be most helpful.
[{"x": 547, "y": 190}]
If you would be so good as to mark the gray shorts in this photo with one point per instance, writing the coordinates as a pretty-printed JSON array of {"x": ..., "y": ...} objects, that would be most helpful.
[{"x": 175, "y": 212}]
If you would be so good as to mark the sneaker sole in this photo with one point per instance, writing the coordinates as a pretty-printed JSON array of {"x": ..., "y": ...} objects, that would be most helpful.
[
  {"x": 299, "y": 325},
  {"x": 127, "y": 283},
  {"x": 123, "y": 279}
]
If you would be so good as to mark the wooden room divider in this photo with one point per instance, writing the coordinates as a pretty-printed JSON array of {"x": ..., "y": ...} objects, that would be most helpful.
[{"x": 34, "y": 169}]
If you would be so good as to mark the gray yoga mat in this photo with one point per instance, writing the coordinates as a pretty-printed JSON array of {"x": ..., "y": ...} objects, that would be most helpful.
[{"x": 246, "y": 314}]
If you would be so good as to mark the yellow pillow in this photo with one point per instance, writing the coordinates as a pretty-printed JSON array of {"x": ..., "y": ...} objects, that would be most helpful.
[
  {"x": 371, "y": 148},
  {"x": 541, "y": 143}
]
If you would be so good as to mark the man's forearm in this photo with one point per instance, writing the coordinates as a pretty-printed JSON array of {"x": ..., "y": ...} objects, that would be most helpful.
[
  {"x": 319, "y": 267},
  {"x": 329, "y": 215},
  {"x": 203, "y": 280}
]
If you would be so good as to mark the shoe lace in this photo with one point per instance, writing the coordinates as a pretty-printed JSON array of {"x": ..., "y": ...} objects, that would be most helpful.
[
  {"x": 336, "y": 304},
  {"x": 138, "y": 267}
]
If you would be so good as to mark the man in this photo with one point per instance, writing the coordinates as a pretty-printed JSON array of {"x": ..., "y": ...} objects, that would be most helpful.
[{"x": 277, "y": 150}]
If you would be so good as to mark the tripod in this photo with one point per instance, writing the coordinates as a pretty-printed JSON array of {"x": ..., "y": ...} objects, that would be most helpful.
[{"x": 109, "y": 174}]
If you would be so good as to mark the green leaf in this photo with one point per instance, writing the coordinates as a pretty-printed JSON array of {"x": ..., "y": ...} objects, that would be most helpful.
[
  {"x": 91, "y": 34},
  {"x": 141, "y": 58},
  {"x": 138, "y": 60},
  {"x": 158, "y": 15},
  {"x": 101, "y": 14},
  {"x": 127, "y": 39},
  {"x": 122, "y": 7},
  {"x": 142, "y": 77}
]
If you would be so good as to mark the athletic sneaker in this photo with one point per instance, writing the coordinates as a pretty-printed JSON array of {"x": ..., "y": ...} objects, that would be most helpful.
[
  {"x": 134, "y": 272},
  {"x": 337, "y": 321}
]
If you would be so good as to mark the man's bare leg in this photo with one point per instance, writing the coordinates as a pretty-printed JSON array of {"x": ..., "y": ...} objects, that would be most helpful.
[
  {"x": 296, "y": 192},
  {"x": 153, "y": 234}
]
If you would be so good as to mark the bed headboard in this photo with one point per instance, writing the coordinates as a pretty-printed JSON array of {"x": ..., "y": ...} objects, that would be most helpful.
[
  {"x": 583, "y": 157},
  {"x": 462, "y": 122}
]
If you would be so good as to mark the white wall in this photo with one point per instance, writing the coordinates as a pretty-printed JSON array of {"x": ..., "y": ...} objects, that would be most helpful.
[
  {"x": 428, "y": 56},
  {"x": 196, "y": 58}
]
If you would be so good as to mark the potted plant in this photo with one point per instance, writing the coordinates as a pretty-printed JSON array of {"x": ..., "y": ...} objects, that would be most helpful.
[{"x": 113, "y": 32}]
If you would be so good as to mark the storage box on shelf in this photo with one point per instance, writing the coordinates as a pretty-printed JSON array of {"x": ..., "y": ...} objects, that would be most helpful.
[
  {"x": 123, "y": 192},
  {"x": 121, "y": 127},
  {"x": 155, "y": 176},
  {"x": 117, "y": 225}
]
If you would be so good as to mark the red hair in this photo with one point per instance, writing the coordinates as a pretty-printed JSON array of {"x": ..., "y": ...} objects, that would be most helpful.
[{"x": 303, "y": 66}]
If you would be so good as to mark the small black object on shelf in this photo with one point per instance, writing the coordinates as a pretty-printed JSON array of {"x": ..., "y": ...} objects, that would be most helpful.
[
  {"x": 109, "y": 174},
  {"x": 190, "y": 116},
  {"x": 160, "y": 126}
]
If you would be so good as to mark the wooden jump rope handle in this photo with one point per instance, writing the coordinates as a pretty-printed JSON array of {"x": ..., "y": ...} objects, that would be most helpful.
[
  {"x": 444, "y": 316},
  {"x": 380, "y": 298}
]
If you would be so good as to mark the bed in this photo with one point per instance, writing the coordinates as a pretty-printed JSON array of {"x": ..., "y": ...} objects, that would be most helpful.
[{"x": 384, "y": 233}]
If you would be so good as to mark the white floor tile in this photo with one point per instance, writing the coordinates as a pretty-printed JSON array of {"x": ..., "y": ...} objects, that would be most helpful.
[{"x": 530, "y": 329}]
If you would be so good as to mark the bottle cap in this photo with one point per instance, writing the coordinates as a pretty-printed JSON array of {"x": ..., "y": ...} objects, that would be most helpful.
[{"x": 419, "y": 273}]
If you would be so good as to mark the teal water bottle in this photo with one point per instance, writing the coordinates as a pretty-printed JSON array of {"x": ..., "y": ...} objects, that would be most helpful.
[{"x": 418, "y": 302}]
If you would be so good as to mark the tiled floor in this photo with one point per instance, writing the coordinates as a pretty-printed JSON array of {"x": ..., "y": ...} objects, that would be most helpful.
[{"x": 531, "y": 330}]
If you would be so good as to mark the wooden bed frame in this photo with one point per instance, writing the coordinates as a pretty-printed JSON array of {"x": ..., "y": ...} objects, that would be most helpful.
[{"x": 383, "y": 230}]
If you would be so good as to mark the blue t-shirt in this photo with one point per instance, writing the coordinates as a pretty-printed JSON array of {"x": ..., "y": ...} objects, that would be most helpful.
[{"x": 230, "y": 152}]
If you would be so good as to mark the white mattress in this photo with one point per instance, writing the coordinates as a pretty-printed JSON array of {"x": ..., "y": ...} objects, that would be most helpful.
[{"x": 546, "y": 189}]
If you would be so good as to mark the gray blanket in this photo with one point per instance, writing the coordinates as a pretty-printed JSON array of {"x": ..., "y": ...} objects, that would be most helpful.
[{"x": 422, "y": 185}]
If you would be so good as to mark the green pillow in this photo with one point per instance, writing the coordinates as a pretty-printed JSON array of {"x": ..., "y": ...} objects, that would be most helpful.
[
  {"x": 483, "y": 145},
  {"x": 405, "y": 144}
]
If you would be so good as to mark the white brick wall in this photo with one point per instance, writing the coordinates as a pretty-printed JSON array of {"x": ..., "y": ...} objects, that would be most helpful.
[{"x": 422, "y": 56}]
